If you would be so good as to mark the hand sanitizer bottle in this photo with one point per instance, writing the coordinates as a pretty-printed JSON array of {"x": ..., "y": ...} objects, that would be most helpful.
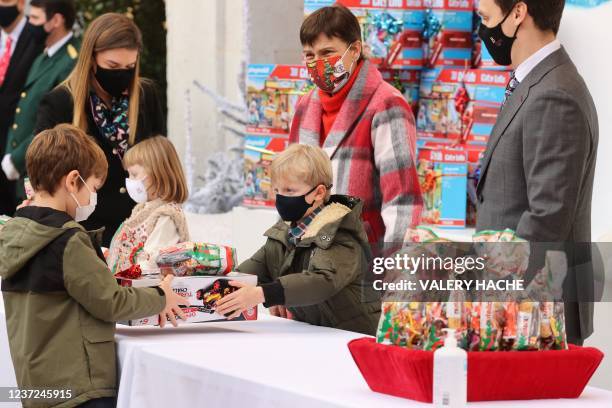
[{"x": 450, "y": 374}]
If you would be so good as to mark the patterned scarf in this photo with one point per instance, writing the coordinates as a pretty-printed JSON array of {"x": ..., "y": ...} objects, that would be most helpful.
[
  {"x": 297, "y": 231},
  {"x": 113, "y": 123}
]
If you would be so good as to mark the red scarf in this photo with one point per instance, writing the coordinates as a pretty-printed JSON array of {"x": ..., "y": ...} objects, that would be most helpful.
[{"x": 331, "y": 104}]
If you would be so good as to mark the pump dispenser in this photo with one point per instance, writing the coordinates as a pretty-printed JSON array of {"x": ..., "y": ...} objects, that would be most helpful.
[{"x": 450, "y": 374}]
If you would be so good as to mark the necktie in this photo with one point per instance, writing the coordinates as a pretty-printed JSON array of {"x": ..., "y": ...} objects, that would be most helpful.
[
  {"x": 6, "y": 59},
  {"x": 512, "y": 84}
]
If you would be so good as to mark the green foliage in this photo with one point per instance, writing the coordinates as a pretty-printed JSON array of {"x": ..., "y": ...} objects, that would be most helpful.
[{"x": 150, "y": 16}]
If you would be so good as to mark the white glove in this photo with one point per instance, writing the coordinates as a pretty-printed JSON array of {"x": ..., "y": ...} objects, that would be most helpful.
[{"x": 9, "y": 169}]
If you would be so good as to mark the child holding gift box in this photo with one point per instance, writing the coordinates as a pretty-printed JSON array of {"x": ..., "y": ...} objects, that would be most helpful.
[
  {"x": 157, "y": 183},
  {"x": 314, "y": 261},
  {"x": 61, "y": 302}
]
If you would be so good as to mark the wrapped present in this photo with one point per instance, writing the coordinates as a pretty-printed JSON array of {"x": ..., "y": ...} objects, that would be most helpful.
[
  {"x": 196, "y": 259},
  {"x": 448, "y": 33},
  {"x": 391, "y": 29},
  {"x": 532, "y": 319},
  {"x": 201, "y": 293},
  {"x": 259, "y": 151},
  {"x": 459, "y": 106}
]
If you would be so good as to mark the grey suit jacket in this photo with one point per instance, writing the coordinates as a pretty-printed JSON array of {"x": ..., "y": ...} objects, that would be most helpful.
[{"x": 537, "y": 172}]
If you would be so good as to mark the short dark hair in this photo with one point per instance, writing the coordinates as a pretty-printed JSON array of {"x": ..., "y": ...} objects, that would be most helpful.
[
  {"x": 52, "y": 7},
  {"x": 545, "y": 13},
  {"x": 333, "y": 21}
]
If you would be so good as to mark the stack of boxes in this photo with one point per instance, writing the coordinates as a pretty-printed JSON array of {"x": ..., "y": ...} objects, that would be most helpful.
[
  {"x": 272, "y": 94},
  {"x": 430, "y": 51}
]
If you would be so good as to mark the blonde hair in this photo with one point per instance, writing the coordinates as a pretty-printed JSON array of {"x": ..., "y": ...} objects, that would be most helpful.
[
  {"x": 159, "y": 158},
  {"x": 110, "y": 31},
  {"x": 304, "y": 163}
]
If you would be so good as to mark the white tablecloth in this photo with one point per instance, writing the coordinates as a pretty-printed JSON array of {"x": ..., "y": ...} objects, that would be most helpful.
[{"x": 272, "y": 362}]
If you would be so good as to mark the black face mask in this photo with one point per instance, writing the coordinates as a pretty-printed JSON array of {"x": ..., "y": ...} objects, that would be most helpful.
[
  {"x": 292, "y": 209},
  {"x": 39, "y": 33},
  {"x": 498, "y": 43},
  {"x": 8, "y": 15},
  {"x": 115, "y": 81}
]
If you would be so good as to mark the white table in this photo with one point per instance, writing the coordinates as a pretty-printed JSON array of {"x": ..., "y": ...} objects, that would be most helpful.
[{"x": 272, "y": 362}]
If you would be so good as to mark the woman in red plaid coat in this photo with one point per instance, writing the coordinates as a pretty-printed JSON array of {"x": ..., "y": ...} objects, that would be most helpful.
[{"x": 363, "y": 123}]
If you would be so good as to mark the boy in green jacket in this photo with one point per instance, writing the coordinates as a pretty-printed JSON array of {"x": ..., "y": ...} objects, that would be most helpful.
[
  {"x": 61, "y": 300},
  {"x": 315, "y": 260}
]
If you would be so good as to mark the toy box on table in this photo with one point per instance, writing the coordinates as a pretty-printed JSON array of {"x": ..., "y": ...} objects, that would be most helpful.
[
  {"x": 448, "y": 33},
  {"x": 442, "y": 174},
  {"x": 460, "y": 106},
  {"x": 201, "y": 291},
  {"x": 391, "y": 29},
  {"x": 258, "y": 154}
]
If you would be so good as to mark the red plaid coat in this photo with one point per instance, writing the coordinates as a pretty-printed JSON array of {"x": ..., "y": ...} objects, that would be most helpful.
[{"x": 372, "y": 146}]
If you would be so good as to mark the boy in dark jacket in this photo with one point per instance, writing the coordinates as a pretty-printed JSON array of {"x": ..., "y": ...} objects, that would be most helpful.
[
  {"x": 315, "y": 259},
  {"x": 60, "y": 298}
]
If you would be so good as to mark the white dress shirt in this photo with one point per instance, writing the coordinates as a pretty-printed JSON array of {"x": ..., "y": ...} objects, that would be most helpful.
[
  {"x": 530, "y": 63},
  {"x": 52, "y": 50},
  {"x": 14, "y": 36}
]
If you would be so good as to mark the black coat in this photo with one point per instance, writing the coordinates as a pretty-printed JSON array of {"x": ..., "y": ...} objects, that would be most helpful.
[
  {"x": 26, "y": 51},
  {"x": 114, "y": 204}
]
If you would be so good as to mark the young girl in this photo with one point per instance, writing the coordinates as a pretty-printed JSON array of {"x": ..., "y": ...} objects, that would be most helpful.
[{"x": 157, "y": 183}]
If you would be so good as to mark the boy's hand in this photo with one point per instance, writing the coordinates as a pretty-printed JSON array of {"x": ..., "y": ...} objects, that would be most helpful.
[
  {"x": 244, "y": 298},
  {"x": 173, "y": 301},
  {"x": 279, "y": 311}
]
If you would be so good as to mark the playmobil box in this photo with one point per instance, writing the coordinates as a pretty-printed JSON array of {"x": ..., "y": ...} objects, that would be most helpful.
[
  {"x": 272, "y": 94},
  {"x": 201, "y": 291},
  {"x": 442, "y": 175},
  {"x": 474, "y": 159},
  {"x": 258, "y": 154},
  {"x": 391, "y": 29},
  {"x": 460, "y": 106},
  {"x": 448, "y": 33},
  {"x": 407, "y": 81}
]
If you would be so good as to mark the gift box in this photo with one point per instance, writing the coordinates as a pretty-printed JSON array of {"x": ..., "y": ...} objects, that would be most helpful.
[
  {"x": 272, "y": 94},
  {"x": 391, "y": 29},
  {"x": 443, "y": 177},
  {"x": 448, "y": 33},
  {"x": 491, "y": 376},
  {"x": 196, "y": 259},
  {"x": 201, "y": 291},
  {"x": 258, "y": 154},
  {"x": 407, "y": 82},
  {"x": 460, "y": 106}
]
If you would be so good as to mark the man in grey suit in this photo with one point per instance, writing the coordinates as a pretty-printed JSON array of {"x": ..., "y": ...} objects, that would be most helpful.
[{"x": 537, "y": 172}]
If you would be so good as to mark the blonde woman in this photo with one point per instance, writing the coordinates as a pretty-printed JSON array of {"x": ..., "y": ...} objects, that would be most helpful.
[
  {"x": 157, "y": 183},
  {"x": 106, "y": 97}
]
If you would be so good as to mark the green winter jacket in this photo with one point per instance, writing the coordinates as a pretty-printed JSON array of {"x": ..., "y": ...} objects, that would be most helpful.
[
  {"x": 321, "y": 280},
  {"x": 61, "y": 303}
]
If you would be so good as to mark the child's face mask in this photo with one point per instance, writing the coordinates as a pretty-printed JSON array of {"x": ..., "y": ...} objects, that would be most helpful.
[
  {"x": 137, "y": 190},
  {"x": 293, "y": 208},
  {"x": 84, "y": 211}
]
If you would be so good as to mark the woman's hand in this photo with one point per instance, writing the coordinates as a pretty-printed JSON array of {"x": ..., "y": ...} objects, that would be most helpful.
[
  {"x": 244, "y": 298},
  {"x": 173, "y": 301},
  {"x": 25, "y": 203}
]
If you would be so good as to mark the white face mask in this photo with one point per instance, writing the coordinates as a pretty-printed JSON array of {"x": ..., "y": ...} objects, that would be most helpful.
[
  {"x": 84, "y": 211},
  {"x": 137, "y": 190}
]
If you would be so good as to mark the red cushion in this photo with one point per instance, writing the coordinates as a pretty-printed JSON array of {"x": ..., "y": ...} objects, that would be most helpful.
[{"x": 492, "y": 376}]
